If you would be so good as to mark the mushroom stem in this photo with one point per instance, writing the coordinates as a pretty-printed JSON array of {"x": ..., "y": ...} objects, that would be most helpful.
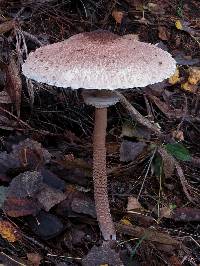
[{"x": 100, "y": 176}]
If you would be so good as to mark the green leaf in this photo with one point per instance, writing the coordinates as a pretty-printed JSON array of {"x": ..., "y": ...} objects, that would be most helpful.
[
  {"x": 178, "y": 151},
  {"x": 158, "y": 166}
]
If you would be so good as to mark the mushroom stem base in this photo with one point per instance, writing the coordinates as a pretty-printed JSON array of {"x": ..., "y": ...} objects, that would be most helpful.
[{"x": 100, "y": 175}]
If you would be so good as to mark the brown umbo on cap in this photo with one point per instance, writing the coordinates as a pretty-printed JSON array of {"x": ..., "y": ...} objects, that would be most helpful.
[{"x": 99, "y": 60}]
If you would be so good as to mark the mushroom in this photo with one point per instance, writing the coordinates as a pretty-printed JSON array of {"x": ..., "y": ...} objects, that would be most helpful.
[{"x": 99, "y": 62}]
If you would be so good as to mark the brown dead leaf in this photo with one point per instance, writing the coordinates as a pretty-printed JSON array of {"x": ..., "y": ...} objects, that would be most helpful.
[
  {"x": 189, "y": 87},
  {"x": 76, "y": 202},
  {"x": 133, "y": 204},
  {"x": 166, "y": 109},
  {"x": 163, "y": 33},
  {"x": 103, "y": 255},
  {"x": 34, "y": 258},
  {"x": 157, "y": 9},
  {"x": 165, "y": 212},
  {"x": 130, "y": 150},
  {"x": 135, "y": 131},
  {"x": 49, "y": 197},
  {"x": 194, "y": 75},
  {"x": 168, "y": 162},
  {"x": 174, "y": 261},
  {"x": 16, "y": 207},
  {"x": 8, "y": 231},
  {"x": 178, "y": 135},
  {"x": 29, "y": 153},
  {"x": 4, "y": 97},
  {"x": 150, "y": 234},
  {"x": 186, "y": 214},
  {"x": 118, "y": 15},
  {"x": 6, "y": 26},
  {"x": 14, "y": 83},
  {"x": 27, "y": 184}
]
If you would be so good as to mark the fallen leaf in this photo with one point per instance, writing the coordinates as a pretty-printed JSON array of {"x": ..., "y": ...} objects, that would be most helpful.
[
  {"x": 185, "y": 26},
  {"x": 165, "y": 212},
  {"x": 27, "y": 153},
  {"x": 155, "y": 8},
  {"x": 30, "y": 153},
  {"x": 103, "y": 255},
  {"x": 83, "y": 205},
  {"x": 46, "y": 225},
  {"x": 118, "y": 15},
  {"x": 49, "y": 197},
  {"x": 163, "y": 33},
  {"x": 8, "y": 231},
  {"x": 14, "y": 83},
  {"x": 133, "y": 204},
  {"x": 175, "y": 261},
  {"x": 194, "y": 75},
  {"x": 179, "y": 151},
  {"x": 178, "y": 135},
  {"x": 167, "y": 109},
  {"x": 193, "y": 80},
  {"x": 125, "y": 221},
  {"x": 52, "y": 180},
  {"x": 175, "y": 77},
  {"x": 76, "y": 202},
  {"x": 135, "y": 131},
  {"x": 11, "y": 260},
  {"x": 189, "y": 87},
  {"x": 27, "y": 184},
  {"x": 167, "y": 163},
  {"x": 4, "y": 97},
  {"x": 150, "y": 234},
  {"x": 186, "y": 214},
  {"x": 6, "y": 123},
  {"x": 34, "y": 258},
  {"x": 16, "y": 207},
  {"x": 179, "y": 25},
  {"x": 129, "y": 150},
  {"x": 185, "y": 60},
  {"x": 6, "y": 26},
  {"x": 3, "y": 194}
]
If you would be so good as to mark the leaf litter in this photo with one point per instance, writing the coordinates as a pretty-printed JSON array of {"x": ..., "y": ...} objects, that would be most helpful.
[{"x": 46, "y": 187}]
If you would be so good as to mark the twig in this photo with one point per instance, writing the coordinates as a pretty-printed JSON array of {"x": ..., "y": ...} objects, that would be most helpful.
[
  {"x": 137, "y": 116},
  {"x": 145, "y": 177},
  {"x": 150, "y": 234},
  {"x": 32, "y": 37},
  {"x": 184, "y": 182}
]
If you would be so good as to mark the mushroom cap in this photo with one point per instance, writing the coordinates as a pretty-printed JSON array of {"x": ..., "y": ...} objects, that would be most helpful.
[{"x": 99, "y": 60}]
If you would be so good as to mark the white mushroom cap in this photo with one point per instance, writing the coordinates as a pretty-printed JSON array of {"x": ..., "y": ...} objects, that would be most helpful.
[{"x": 99, "y": 60}]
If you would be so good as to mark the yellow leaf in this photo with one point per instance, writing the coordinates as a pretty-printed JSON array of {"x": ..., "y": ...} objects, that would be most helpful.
[
  {"x": 188, "y": 87},
  {"x": 194, "y": 75},
  {"x": 174, "y": 78},
  {"x": 125, "y": 221},
  {"x": 179, "y": 25},
  {"x": 8, "y": 231}
]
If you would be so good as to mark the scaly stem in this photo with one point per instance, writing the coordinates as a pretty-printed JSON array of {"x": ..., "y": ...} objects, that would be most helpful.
[{"x": 100, "y": 176}]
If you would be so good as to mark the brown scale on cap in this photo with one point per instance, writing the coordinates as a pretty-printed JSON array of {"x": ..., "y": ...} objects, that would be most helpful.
[
  {"x": 99, "y": 60},
  {"x": 95, "y": 61}
]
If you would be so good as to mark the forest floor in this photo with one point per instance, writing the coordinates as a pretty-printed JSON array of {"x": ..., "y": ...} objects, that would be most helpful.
[{"x": 46, "y": 193}]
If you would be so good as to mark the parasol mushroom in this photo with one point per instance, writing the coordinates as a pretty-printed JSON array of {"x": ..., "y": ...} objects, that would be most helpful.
[{"x": 99, "y": 62}]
